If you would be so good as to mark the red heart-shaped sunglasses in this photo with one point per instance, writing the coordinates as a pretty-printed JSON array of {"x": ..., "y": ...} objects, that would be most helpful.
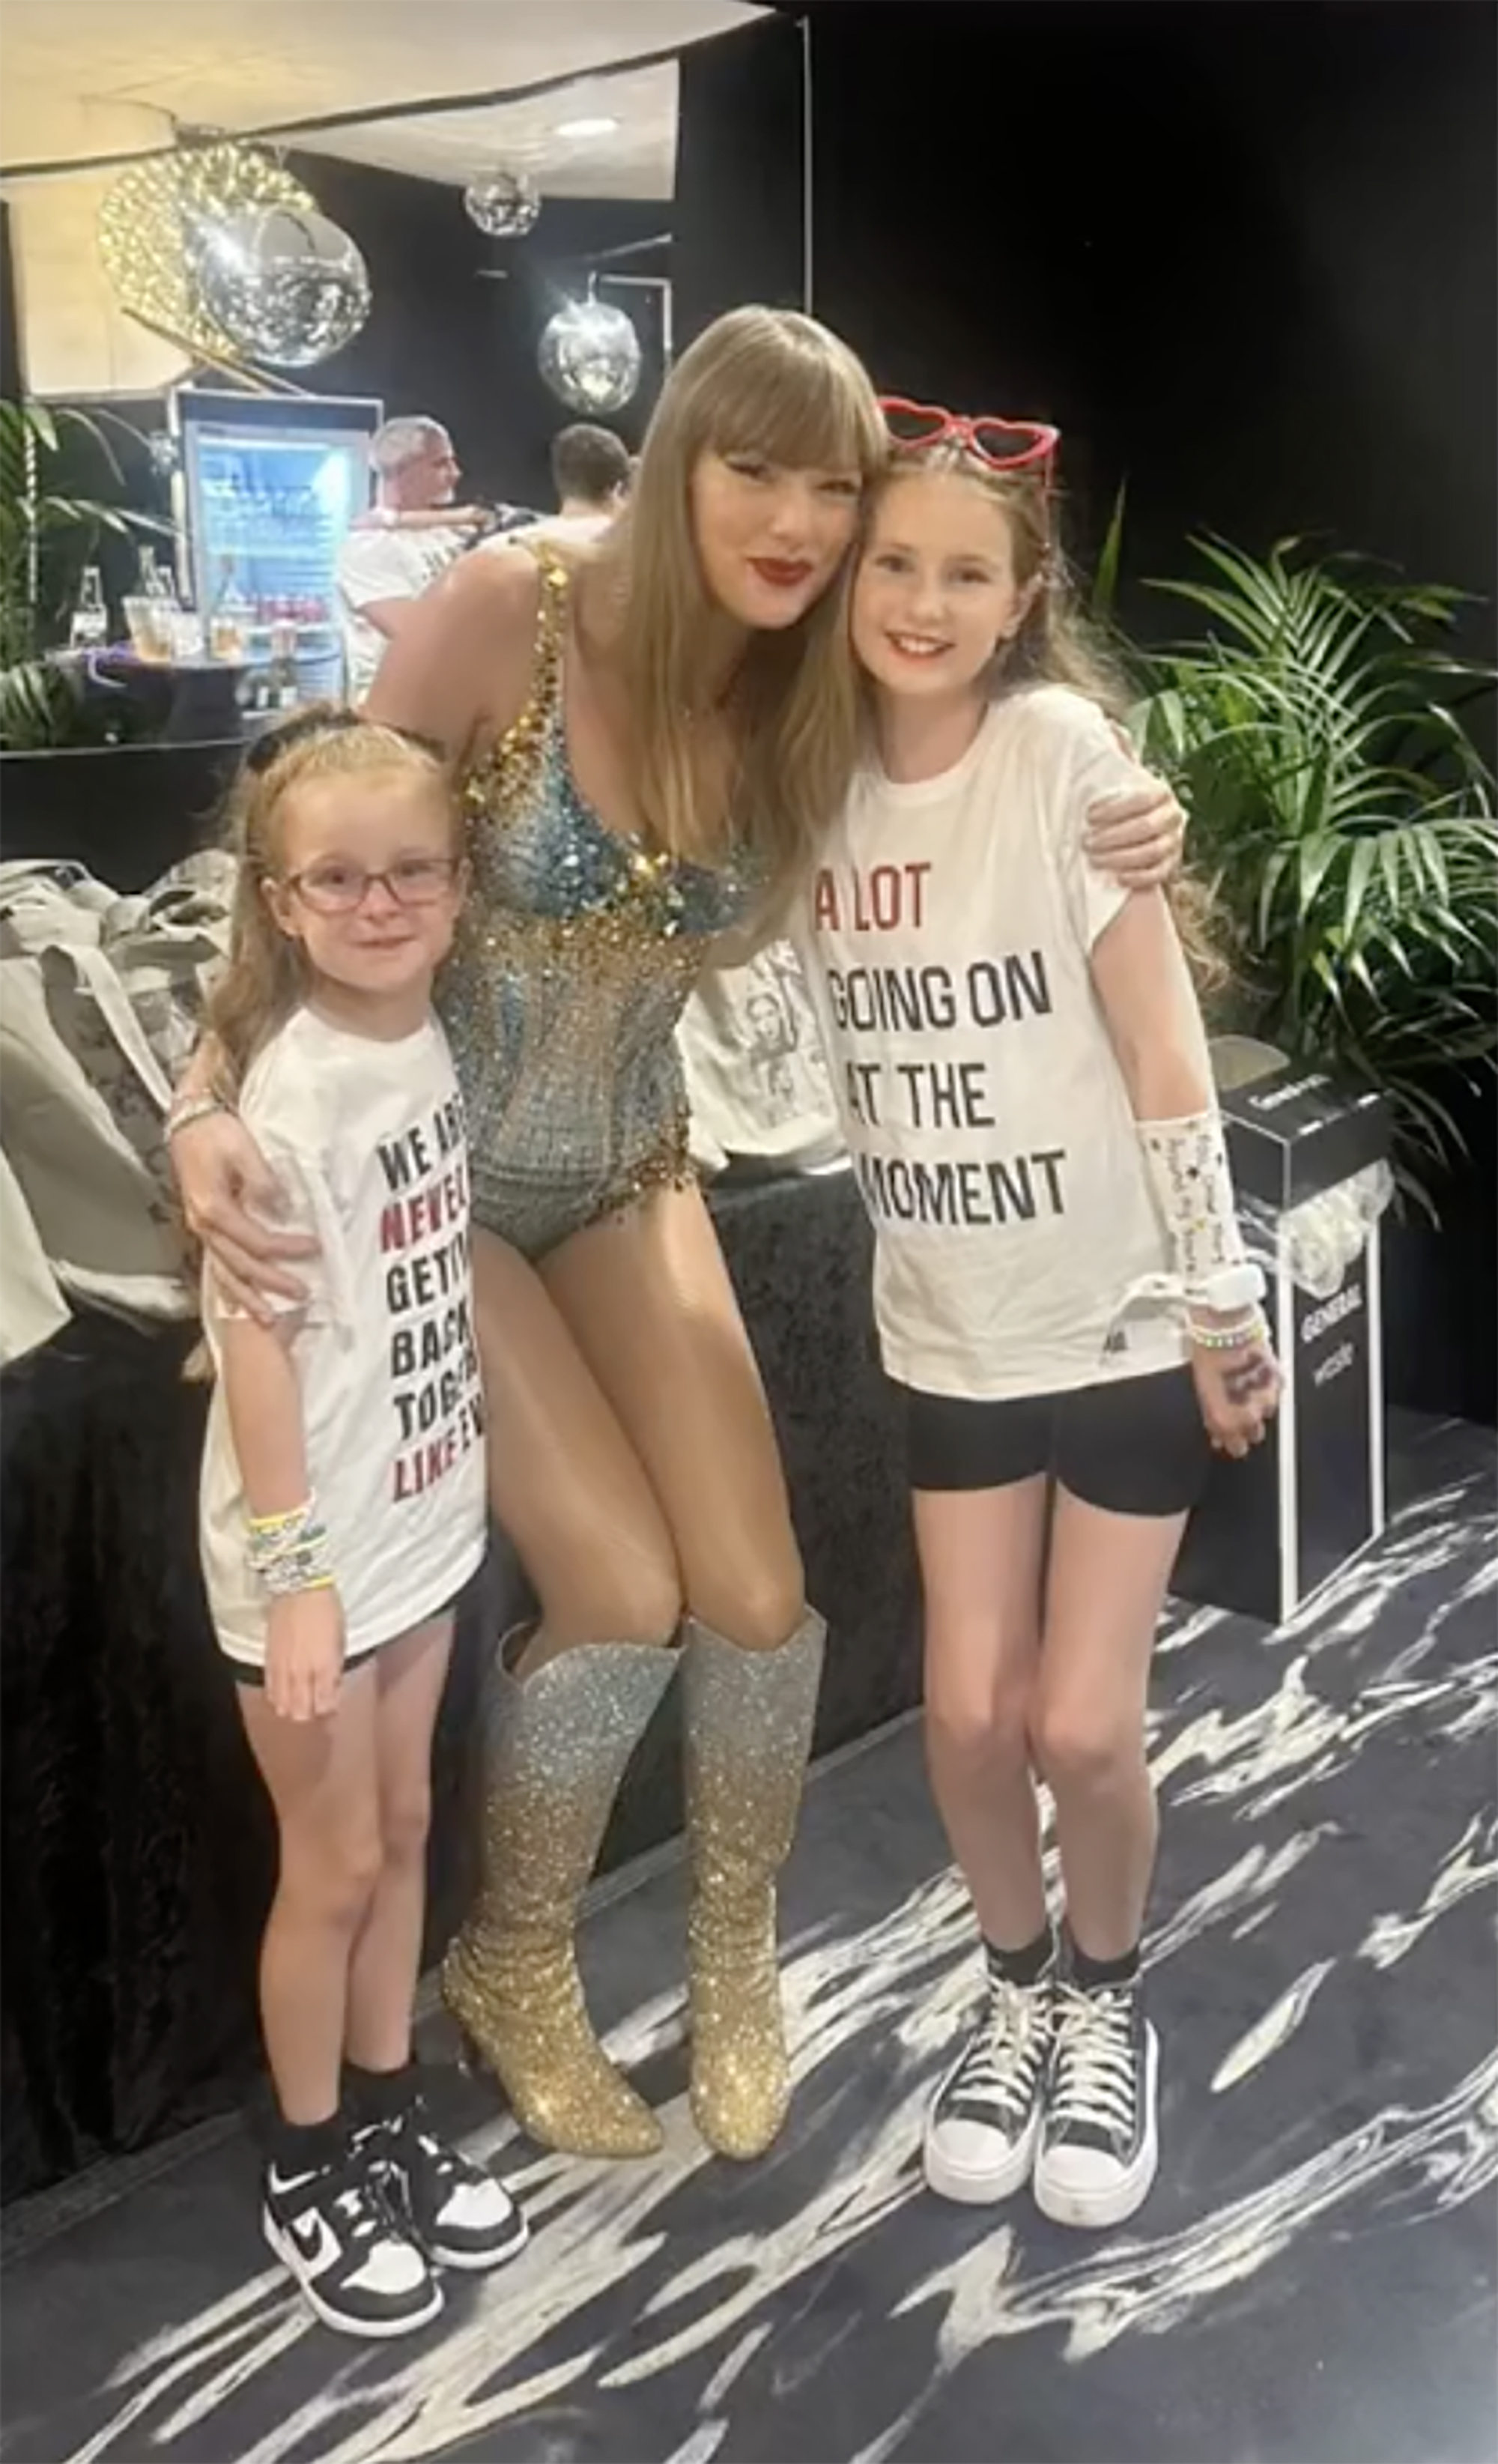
[{"x": 1002, "y": 444}]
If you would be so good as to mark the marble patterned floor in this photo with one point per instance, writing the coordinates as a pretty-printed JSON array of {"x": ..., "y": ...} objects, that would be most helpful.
[{"x": 1313, "y": 2279}]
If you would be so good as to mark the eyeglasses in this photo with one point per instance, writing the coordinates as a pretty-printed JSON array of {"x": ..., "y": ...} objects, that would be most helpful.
[
  {"x": 1002, "y": 444},
  {"x": 332, "y": 887}
]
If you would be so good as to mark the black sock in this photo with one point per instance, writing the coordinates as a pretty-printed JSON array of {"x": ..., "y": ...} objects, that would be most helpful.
[
  {"x": 299, "y": 2147},
  {"x": 1091, "y": 1974},
  {"x": 1023, "y": 1966},
  {"x": 378, "y": 2096}
]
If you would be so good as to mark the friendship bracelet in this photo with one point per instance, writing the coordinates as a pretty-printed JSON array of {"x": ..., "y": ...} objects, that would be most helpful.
[
  {"x": 305, "y": 1512},
  {"x": 289, "y": 1551},
  {"x": 197, "y": 1108}
]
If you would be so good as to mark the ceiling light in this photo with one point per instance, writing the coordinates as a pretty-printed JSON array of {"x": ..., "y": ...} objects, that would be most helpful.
[{"x": 585, "y": 127}]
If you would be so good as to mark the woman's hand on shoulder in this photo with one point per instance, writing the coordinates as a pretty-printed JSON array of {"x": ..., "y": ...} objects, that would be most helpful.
[
  {"x": 230, "y": 1200},
  {"x": 460, "y": 670},
  {"x": 1136, "y": 833}
]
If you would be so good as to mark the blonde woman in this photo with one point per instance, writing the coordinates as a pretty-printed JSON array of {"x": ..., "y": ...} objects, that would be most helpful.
[{"x": 649, "y": 736}]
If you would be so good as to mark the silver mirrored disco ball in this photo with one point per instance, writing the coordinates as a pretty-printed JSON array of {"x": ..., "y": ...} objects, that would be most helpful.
[
  {"x": 505, "y": 204},
  {"x": 286, "y": 285},
  {"x": 590, "y": 356}
]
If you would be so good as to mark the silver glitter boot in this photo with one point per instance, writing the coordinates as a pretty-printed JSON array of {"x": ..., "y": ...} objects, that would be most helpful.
[
  {"x": 749, "y": 1717},
  {"x": 555, "y": 1748}
]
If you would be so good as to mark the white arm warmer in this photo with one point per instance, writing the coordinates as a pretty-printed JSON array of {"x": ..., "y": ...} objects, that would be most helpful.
[{"x": 1193, "y": 1189}]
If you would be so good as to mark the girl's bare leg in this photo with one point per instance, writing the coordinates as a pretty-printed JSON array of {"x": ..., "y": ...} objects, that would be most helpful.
[{"x": 981, "y": 1573}]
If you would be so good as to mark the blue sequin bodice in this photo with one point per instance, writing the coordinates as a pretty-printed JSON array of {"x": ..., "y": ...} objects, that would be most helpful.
[{"x": 577, "y": 952}]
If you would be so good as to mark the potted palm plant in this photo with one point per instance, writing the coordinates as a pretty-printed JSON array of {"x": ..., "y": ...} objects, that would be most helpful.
[
  {"x": 1345, "y": 818},
  {"x": 45, "y": 536},
  {"x": 86, "y": 777}
]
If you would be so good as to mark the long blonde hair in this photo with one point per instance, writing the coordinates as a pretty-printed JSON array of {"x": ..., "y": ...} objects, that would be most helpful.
[
  {"x": 772, "y": 382},
  {"x": 1055, "y": 644},
  {"x": 266, "y": 976}
]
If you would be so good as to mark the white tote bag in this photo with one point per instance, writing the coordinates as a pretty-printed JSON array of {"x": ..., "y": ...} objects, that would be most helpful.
[{"x": 99, "y": 1002}]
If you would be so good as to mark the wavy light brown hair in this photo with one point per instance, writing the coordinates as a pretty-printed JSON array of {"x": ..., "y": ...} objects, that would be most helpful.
[
  {"x": 267, "y": 974},
  {"x": 776, "y": 384},
  {"x": 1055, "y": 644}
]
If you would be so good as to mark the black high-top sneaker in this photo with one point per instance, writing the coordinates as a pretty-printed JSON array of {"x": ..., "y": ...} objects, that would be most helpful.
[
  {"x": 334, "y": 2231},
  {"x": 1099, "y": 2141},
  {"x": 984, "y": 2122},
  {"x": 454, "y": 2209}
]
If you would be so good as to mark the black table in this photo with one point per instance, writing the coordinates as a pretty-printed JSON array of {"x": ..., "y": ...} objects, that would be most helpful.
[{"x": 138, "y": 1847}]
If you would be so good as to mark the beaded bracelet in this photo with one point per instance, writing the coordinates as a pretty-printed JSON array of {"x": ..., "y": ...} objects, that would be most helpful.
[{"x": 1253, "y": 1327}]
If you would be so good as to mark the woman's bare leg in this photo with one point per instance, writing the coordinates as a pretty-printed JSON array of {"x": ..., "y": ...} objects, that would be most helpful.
[
  {"x": 566, "y": 1708},
  {"x": 650, "y": 1301}
]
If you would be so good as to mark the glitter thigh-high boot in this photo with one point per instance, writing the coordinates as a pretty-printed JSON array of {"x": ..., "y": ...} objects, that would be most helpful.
[
  {"x": 749, "y": 1717},
  {"x": 556, "y": 1747}
]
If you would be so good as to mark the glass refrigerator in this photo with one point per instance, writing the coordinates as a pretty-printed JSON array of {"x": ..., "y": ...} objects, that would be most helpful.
[{"x": 267, "y": 485}]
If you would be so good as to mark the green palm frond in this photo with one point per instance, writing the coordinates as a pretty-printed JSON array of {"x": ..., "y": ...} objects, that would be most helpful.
[{"x": 1345, "y": 817}]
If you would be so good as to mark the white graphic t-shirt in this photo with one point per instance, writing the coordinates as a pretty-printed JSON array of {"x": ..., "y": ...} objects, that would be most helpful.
[
  {"x": 377, "y": 564},
  {"x": 945, "y": 937},
  {"x": 368, "y": 1140}
]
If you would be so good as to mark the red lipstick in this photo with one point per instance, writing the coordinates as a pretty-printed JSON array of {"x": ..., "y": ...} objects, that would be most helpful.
[{"x": 781, "y": 573}]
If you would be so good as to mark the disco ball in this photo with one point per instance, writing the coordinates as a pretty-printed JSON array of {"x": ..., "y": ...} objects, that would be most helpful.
[
  {"x": 287, "y": 285},
  {"x": 590, "y": 356},
  {"x": 505, "y": 204}
]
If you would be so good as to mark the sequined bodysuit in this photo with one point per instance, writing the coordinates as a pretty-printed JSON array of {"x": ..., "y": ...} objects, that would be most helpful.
[{"x": 576, "y": 954}]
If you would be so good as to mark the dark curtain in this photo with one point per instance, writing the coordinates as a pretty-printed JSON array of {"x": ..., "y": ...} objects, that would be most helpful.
[{"x": 740, "y": 175}]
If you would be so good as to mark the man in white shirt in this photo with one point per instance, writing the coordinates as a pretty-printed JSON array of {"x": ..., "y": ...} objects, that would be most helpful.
[{"x": 381, "y": 569}]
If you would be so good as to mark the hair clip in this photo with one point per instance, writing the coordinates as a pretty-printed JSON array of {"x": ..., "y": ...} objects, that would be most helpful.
[{"x": 269, "y": 746}]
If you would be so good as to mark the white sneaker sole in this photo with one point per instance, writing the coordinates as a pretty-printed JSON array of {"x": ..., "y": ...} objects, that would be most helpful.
[
  {"x": 1093, "y": 2211},
  {"x": 974, "y": 2186},
  {"x": 472, "y": 2262},
  {"x": 377, "y": 2330}
]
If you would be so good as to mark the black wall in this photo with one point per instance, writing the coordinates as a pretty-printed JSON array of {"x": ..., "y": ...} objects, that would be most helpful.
[
  {"x": 443, "y": 339},
  {"x": 741, "y": 174},
  {"x": 1243, "y": 252}
]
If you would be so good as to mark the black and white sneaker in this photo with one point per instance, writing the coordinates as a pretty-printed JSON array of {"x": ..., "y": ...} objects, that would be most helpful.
[
  {"x": 458, "y": 2213},
  {"x": 358, "y": 2267},
  {"x": 984, "y": 2122},
  {"x": 1099, "y": 2143}
]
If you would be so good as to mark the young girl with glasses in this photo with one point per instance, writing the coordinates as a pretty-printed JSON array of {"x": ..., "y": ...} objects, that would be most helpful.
[
  {"x": 342, "y": 1502},
  {"x": 1060, "y": 1285}
]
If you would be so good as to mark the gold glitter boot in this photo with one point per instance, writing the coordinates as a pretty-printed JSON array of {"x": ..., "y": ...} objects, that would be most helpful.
[
  {"x": 749, "y": 1718},
  {"x": 555, "y": 1752}
]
